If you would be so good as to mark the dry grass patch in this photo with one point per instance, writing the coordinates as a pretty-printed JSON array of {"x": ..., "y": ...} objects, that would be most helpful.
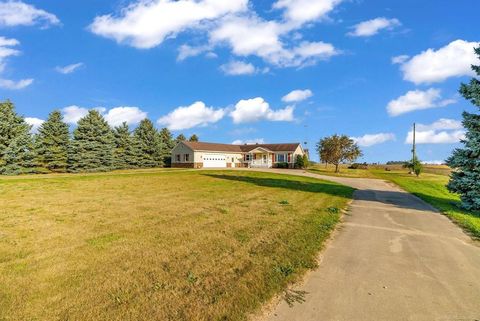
[{"x": 182, "y": 245}]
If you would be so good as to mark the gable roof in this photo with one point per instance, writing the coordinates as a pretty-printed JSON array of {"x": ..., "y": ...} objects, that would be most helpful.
[{"x": 214, "y": 147}]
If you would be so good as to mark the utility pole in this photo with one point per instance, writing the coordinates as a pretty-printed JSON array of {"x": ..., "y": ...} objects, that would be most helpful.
[{"x": 414, "y": 152}]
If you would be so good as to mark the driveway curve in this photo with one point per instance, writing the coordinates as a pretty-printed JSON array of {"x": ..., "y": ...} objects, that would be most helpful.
[{"x": 394, "y": 257}]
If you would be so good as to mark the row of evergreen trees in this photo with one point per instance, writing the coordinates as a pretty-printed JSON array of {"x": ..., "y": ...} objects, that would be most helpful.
[{"x": 93, "y": 146}]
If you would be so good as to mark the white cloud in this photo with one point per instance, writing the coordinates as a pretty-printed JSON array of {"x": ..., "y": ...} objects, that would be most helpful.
[
  {"x": 69, "y": 68},
  {"x": 186, "y": 51},
  {"x": 397, "y": 60},
  {"x": 253, "y": 36},
  {"x": 441, "y": 124},
  {"x": 15, "y": 85},
  {"x": 17, "y": 13},
  {"x": 72, "y": 114},
  {"x": 435, "y": 137},
  {"x": 6, "y": 51},
  {"x": 249, "y": 141},
  {"x": 251, "y": 110},
  {"x": 114, "y": 116},
  {"x": 443, "y": 131},
  {"x": 34, "y": 122},
  {"x": 197, "y": 114},
  {"x": 237, "y": 68},
  {"x": 302, "y": 11},
  {"x": 430, "y": 66},
  {"x": 373, "y": 139},
  {"x": 417, "y": 100},
  {"x": 372, "y": 27},
  {"x": 297, "y": 96},
  {"x": 132, "y": 115},
  {"x": 146, "y": 24}
]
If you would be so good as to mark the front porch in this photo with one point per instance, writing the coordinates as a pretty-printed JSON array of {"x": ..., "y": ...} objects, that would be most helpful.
[{"x": 264, "y": 158}]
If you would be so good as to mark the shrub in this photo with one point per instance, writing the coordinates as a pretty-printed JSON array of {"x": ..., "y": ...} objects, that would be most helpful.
[
  {"x": 299, "y": 162},
  {"x": 281, "y": 165},
  {"x": 358, "y": 166}
]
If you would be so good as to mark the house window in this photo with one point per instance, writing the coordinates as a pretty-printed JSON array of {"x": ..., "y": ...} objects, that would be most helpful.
[
  {"x": 177, "y": 158},
  {"x": 233, "y": 160},
  {"x": 187, "y": 158},
  {"x": 281, "y": 158},
  {"x": 248, "y": 157}
]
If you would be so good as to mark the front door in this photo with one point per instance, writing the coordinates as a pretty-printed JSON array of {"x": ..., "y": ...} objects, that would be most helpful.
[{"x": 264, "y": 158}]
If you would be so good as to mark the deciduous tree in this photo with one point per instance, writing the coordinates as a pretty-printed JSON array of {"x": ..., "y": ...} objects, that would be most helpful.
[{"x": 338, "y": 149}]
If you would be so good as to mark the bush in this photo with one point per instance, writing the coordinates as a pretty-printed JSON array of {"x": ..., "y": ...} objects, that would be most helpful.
[
  {"x": 299, "y": 162},
  {"x": 358, "y": 166},
  {"x": 281, "y": 165}
]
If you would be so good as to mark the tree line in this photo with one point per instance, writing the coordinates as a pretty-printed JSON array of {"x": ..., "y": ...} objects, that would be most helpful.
[{"x": 92, "y": 146}]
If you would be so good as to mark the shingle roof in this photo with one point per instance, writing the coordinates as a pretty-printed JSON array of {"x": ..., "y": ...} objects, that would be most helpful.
[{"x": 214, "y": 147}]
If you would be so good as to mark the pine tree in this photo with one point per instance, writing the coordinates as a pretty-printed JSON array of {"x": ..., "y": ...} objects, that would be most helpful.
[
  {"x": 52, "y": 143},
  {"x": 92, "y": 146},
  {"x": 168, "y": 143},
  {"x": 122, "y": 154},
  {"x": 147, "y": 145},
  {"x": 193, "y": 138},
  {"x": 16, "y": 143},
  {"x": 465, "y": 162},
  {"x": 180, "y": 138}
]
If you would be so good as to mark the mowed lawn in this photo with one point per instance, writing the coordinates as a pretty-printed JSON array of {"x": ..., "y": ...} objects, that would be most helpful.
[
  {"x": 432, "y": 189},
  {"x": 171, "y": 245},
  {"x": 430, "y": 186}
]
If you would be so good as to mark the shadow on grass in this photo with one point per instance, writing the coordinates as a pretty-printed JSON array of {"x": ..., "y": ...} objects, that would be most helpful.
[{"x": 292, "y": 184}]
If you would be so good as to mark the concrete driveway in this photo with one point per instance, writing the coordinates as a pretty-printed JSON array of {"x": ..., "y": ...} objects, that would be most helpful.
[{"x": 393, "y": 258}]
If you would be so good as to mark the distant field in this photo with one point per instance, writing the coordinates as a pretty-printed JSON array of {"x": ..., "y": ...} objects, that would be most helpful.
[
  {"x": 157, "y": 245},
  {"x": 430, "y": 187},
  {"x": 372, "y": 170}
]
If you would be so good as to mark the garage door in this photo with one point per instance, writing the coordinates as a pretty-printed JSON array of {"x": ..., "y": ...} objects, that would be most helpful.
[{"x": 212, "y": 160}]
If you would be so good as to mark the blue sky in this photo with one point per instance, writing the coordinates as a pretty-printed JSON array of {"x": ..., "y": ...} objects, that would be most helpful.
[{"x": 224, "y": 69}]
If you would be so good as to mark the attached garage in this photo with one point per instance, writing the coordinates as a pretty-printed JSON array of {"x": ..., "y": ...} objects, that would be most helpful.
[{"x": 214, "y": 161}]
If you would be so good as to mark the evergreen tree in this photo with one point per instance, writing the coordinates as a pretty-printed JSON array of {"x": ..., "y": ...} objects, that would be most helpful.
[
  {"x": 123, "y": 152},
  {"x": 168, "y": 143},
  {"x": 465, "y": 162},
  {"x": 16, "y": 143},
  {"x": 92, "y": 146},
  {"x": 193, "y": 138},
  {"x": 180, "y": 138},
  {"x": 147, "y": 145},
  {"x": 52, "y": 143}
]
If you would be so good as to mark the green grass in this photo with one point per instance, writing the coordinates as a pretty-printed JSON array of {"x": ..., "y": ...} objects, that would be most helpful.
[
  {"x": 432, "y": 189},
  {"x": 158, "y": 245},
  {"x": 430, "y": 186}
]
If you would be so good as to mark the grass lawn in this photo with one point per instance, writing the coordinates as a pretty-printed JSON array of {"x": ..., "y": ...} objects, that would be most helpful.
[
  {"x": 166, "y": 245},
  {"x": 430, "y": 187}
]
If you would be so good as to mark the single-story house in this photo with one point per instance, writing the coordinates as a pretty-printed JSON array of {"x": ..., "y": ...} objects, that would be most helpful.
[{"x": 211, "y": 155}]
